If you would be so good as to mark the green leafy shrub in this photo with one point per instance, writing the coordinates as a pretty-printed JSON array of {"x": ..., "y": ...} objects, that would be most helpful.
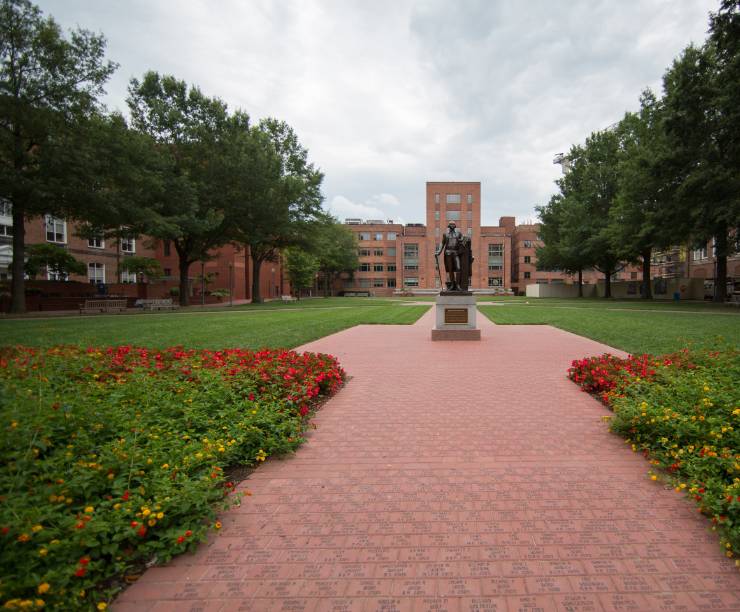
[
  {"x": 682, "y": 411},
  {"x": 115, "y": 457}
]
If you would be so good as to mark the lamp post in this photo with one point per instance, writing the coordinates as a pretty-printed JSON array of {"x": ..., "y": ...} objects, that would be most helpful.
[{"x": 202, "y": 283}]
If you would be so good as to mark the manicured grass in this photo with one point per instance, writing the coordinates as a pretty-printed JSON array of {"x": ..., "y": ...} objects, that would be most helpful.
[
  {"x": 273, "y": 325},
  {"x": 635, "y": 327}
]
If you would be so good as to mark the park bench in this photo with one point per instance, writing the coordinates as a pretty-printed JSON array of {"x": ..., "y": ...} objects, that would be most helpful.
[
  {"x": 287, "y": 298},
  {"x": 356, "y": 294},
  {"x": 103, "y": 306},
  {"x": 157, "y": 304}
]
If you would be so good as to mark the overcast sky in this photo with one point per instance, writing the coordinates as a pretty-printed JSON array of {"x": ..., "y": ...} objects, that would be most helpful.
[{"x": 389, "y": 94}]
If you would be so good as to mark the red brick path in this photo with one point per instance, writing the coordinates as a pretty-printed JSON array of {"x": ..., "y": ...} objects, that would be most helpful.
[{"x": 498, "y": 488}]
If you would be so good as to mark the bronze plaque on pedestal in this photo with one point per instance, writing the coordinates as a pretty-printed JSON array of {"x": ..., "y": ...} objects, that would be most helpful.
[{"x": 456, "y": 316}]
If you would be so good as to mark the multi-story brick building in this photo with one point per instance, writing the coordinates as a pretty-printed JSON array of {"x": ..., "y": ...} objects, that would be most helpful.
[{"x": 395, "y": 257}]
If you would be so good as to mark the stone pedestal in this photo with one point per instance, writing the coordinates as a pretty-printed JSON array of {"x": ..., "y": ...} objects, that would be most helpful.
[{"x": 456, "y": 313}]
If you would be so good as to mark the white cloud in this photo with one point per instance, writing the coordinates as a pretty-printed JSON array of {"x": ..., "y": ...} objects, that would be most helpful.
[
  {"x": 390, "y": 94},
  {"x": 344, "y": 208}
]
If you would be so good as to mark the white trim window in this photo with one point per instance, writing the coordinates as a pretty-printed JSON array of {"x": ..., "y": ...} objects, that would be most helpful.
[
  {"x": 56, "y": 229},
  {"x": 128, "y": 277},
  {"x": 56, "y": 276},
  {"x": 128, "y": 244},
  {"x": 6, "y": 218},
  {"x": 96, "y": 273},
  {"x": 96, "y": 242}
]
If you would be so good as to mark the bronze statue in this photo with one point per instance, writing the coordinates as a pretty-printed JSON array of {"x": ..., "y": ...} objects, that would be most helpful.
[{"x": 458, "y": 258}]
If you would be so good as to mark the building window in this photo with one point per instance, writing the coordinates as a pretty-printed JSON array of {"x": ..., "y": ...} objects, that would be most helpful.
[
  {"x": 364, "y": 282},
  {"x": 391, "y": 283},
  {"x": 391, "y": 267},
  {"x": 452, "y": 215},
  {"x": 390, "y": 252},
  {"x": 56, "y": 230},
  {"x": 364, "y": 235},
  {"x": 527, "y": 259},
  {"x": 378, "y": 252},
  {"x": 495, "y": 281},
  {"x": 128, "y": 244},
  {"x": 379, "y": 236},
  {"x": 96, "y": 273},
  {"x": 96, "y": 242},
  {"x": 364, "y": 252},
  {"x": 527, "y": 244},
  {"x": 411, "y": 282},
  {"x": 701, "y": 253},
  {"x": 378, "y": 282},
  {"x": 410, "y": 250},
  {"x": 436, "y": 215},
  {"x": 411, "y": 267},
  {"x": 495, "y": 249},
  {"x": 377, "y": 267},
  {"x": 633, "y": 275},
  {"x": 436, "y": 232},
  {"x": 166, "y": 248},
  {"x": 56, "y": 276},
  {"x": 6, "y": 218},
  {"x": 470, "y": 231},
  {"x": 128, "y": 276},
  {"x": 167, "y": 272},
  {"x": 495, "y": 267},
  {"x": 495, "y": 257},
  {"x": 391, "y": 235},
  {"x": 436, "y": 198},
  {"x": 364, "y": 267},
  {"x": 470, "y": 198},
  {"x": 527, "y": 275},
  {"x": 453, "y": 198},
  {"x": 469, "y": 215}
]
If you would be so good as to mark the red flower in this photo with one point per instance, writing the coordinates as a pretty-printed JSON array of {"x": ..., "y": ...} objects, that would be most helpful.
[
  {"x": 142, "y": 531},
  {"x": 84, "y": 561},
  {"x": 188, "y": 533},
  {"x": 5, "y": 530},
  {"x": 180, "y": 540},
  {"x": 134, "y": 523},
  {"x": 81, "y": 571},
  {"x": 125, "y": 496}
]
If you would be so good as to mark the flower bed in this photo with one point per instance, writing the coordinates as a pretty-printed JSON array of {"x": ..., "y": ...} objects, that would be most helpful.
[
  {"x": 683, "y": 412},
  {"x": 114, "y": 457}
]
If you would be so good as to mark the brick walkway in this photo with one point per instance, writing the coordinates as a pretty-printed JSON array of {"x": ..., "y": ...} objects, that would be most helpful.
[{"x": 496, "y": 489}]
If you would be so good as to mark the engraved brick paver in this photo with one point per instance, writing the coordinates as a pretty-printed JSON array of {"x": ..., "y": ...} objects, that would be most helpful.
[{"x": 453, "y": 476}]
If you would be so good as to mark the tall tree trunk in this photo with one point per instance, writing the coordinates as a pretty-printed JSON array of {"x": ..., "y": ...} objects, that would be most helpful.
[
  {"x": 327, "y": 276},
  {"x": 184, "y": 285},
  {"x": 647, "y": 293},
  {"x": 18, "y": 282},
  {"x": 580, "y": 282},
  {"x": 720, "y": 255},
  {"x": 608, "y": 284},
  {"x": 256, "y": 267}
]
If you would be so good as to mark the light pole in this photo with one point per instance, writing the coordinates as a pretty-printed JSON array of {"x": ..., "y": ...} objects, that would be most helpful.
[
  {"x": 202, "y": 283},
  {"x": 231, "y": 284}
]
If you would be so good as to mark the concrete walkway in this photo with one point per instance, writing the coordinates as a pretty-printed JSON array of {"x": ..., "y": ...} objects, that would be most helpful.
[{"x": 453, "y": 476}]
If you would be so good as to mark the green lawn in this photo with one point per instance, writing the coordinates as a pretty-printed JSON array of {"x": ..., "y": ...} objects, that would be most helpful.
[
  {"x": 633, "y": 326},
  {"x": 272, "y": 324}
]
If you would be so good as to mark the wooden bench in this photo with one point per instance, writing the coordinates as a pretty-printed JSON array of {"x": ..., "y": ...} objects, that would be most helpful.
[
  {"x": 103, "y": 306},
  {"x": 157, "y": 304},
  {"x": 356, "y": 294},
  {"x": 287, "y": 298}
]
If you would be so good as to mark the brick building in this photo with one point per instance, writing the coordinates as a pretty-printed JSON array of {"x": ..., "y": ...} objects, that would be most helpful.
[{"x": 396, "y": 257}]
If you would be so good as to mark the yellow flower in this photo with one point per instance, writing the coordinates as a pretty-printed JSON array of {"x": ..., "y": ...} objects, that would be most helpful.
[
  {"x": 217, "y": 524},
  {"x": 43, "y": 552},
  {"x": 24, "y": 537},
  {"x": 54, "y": 542},
  {"x": 43, "y": 588},
  {"x": 116, "y": 506},
  {"x": 149, "y": 461},
  {"x": 111, "y": 476},
  {"x": 37, "y": 528},
  {"x": 102, "y": 605},
  {"x": 89, "y": 510},
  {"x": 160, "y": 515},
  {"x": 165, "y": 466},
  {"x": 145, "y": 511},
  {"x": 13, "y": 424},
  {"x": 653, "y": 477},
  {"x": 152, "y": 522},
  {"x": 39, "y": 603}
]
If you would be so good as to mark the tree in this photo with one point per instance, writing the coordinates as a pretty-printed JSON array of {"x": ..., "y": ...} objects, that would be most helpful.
[
  {"x": 48, "y": 86},
  {"x": 276, "y": 207},
  {"x": 302, "y": 268},
  {"x": 141, "y": 265},
  {"x": 701, "y": 100},
  {"x": 58, "y": 261},
  {"x": 642, "y": 217},
  {"x": 563, "y": 235},
  {"x": 335, "y": 248},
  {"x": 188, "y": 132}
]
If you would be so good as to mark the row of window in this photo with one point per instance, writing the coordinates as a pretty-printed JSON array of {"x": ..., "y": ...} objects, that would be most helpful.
[
  {"x": 377, "y": 267},
  {"x": 389, "y": 252},
  {"x": 453, "y": 198},
  {"x": 454, "y": 215},
  {"x": 95, "y": 274},
  {"x": 56, "y": 231},
  {"x": 376, "y": 236},
  {"x": 375, "y": 282}
]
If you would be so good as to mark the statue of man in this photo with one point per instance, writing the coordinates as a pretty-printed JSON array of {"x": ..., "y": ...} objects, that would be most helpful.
[{"x": 451, "y": 245}]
